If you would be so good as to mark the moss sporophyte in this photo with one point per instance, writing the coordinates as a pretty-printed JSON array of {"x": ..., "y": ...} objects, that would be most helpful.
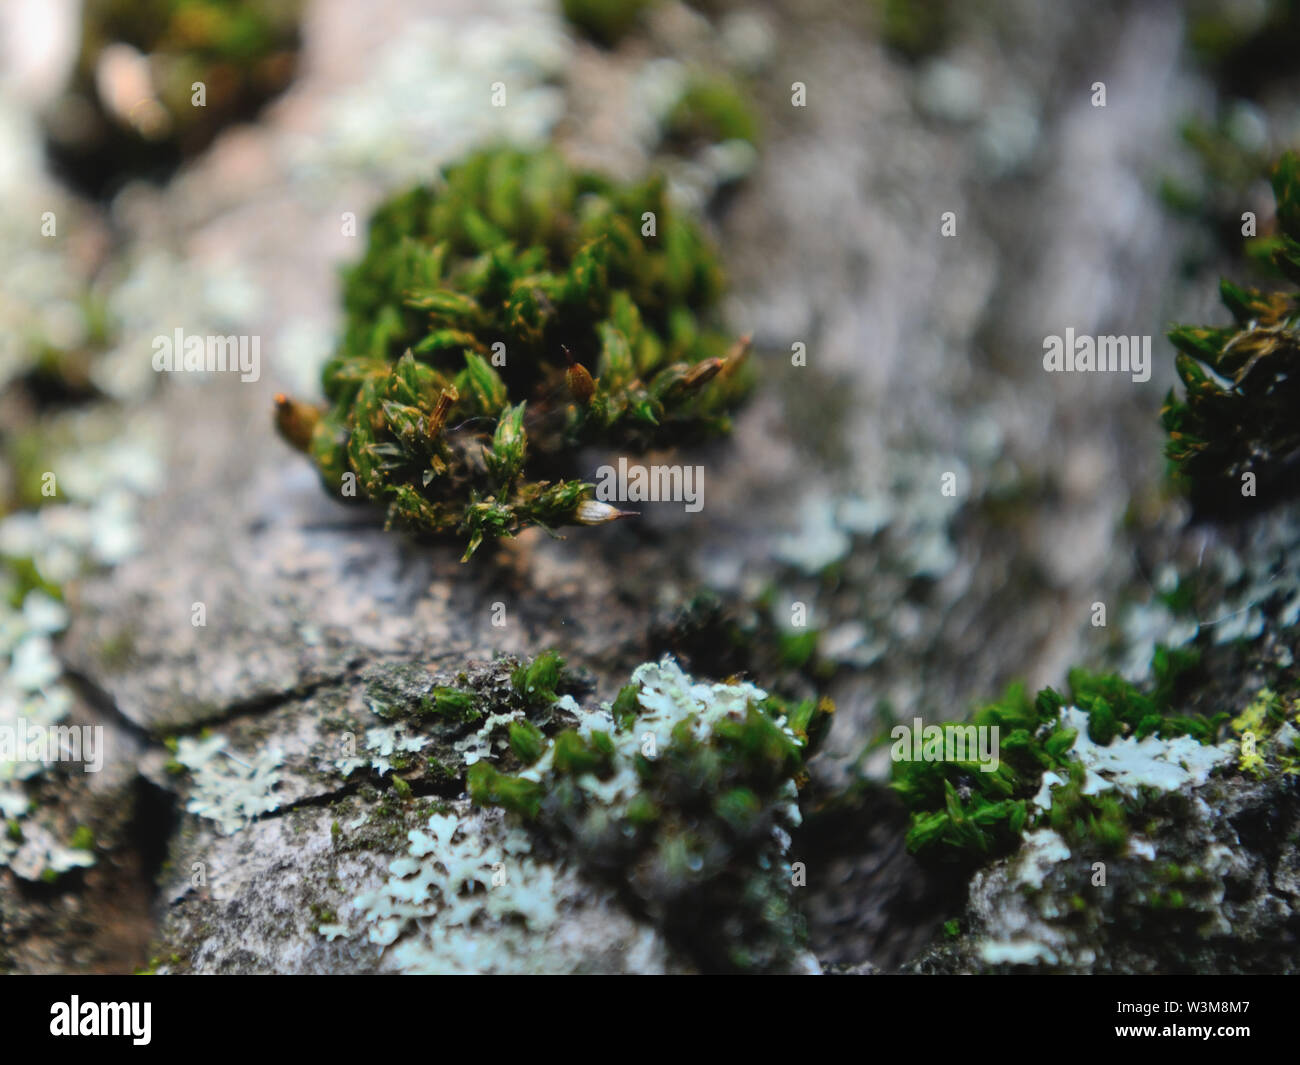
[{"x": 503, "y": 318}]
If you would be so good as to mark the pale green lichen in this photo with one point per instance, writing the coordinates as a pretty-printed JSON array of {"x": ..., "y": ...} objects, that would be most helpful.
[
  {"x": 438, "y": 877},
  {"x": 469, "y": 895},
  {"x": 385, "y": 741},
  {"x": 38, "y": 855},
  {"x": 1267, "y": 735}
]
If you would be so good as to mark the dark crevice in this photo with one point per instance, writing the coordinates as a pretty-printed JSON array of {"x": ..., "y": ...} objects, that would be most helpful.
[
  {"x": 103, "y": 703},
  {"x": 259, "y": 705},
  {"x": 152, "y": 826}
]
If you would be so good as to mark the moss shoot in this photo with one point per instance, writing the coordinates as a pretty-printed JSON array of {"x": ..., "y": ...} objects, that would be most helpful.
[{"x": 1234, "y": 436}]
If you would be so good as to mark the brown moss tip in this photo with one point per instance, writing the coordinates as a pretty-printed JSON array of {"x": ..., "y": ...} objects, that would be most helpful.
[{"x": 295, "y": 421}]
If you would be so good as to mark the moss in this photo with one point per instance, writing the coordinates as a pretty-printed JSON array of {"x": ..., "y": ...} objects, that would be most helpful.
[
  {"x": 575, "y": 756},
  {"x": 605, "y": 21},
  {"x": 797, "y": 648},
  {"x": 321, "y": 915},
  {"x": 243, "y": 51},
  {"x": 488, "y": 787},
  {"x": 536, "y": 681},
  {"x": 1235, "y": 422},
  {"x": 451, "y": 703},
  {"x": 915, "y": 28},
  {"x": 961, "y": 813},
  {"x": 683, "y": 800},
  {"x": 526, "y": 741},
  {"x": 499, "y": 321},
  {"x": 624, "y": 708},
  {"x": 712, "y": 108},
  {"x": 738, "y": 639}
]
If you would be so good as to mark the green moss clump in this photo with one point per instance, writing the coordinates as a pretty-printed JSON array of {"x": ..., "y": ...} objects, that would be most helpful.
[
  {"x": 1242, "y": 382},
  {"x": 915, "y": 28},
  {"x": 683, "y": 798},
  {"x": 83, "y": 838},
  {"x": 535, "y": 682},
  {"x": 489, "y": 787},
  {"x": 681, "y": 795},
  {"x": 961, "y": 813},
  {"x": 499, "y": 321},
  {"x": 243, "y": 51},
  {"x": 712, "y": 108},
  {"x": 452, "y": 704},
  {"x": 526, "y": 741},
  {"x": 605, "y": 21}
]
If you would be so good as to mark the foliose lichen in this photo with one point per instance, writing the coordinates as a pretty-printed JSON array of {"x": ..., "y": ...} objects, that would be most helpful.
[
  {"x": 503, "y": 318},
  {"x": 81, "y": 491},
  {"x": 227, "y": 789}
]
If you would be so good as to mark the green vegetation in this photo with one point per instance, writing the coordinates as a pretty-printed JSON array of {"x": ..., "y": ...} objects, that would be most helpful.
[
  {"x": 605, "y": 21},
  {"x": 241, "y": 51},
  {"x": 961, "y": 813},
  {"x": 681, "y": 794},
  {"x": 499, "y": 321},
  {"x": 1234, "y": 435},
  {"x": 712, "y": 108},
  {"x": 915, "y": 28}
]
